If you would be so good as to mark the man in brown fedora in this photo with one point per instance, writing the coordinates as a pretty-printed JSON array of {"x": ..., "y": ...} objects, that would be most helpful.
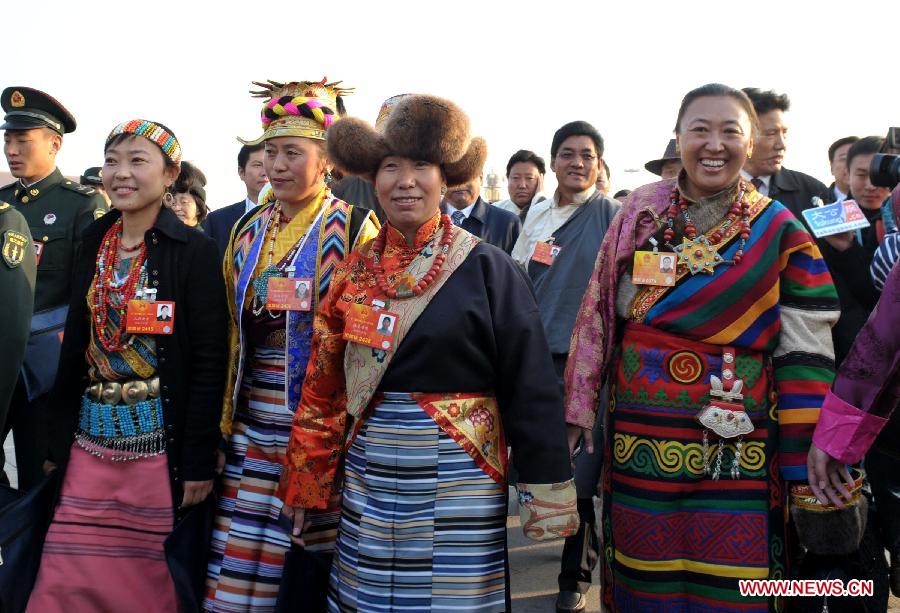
[{"x": 669, "y": 165}]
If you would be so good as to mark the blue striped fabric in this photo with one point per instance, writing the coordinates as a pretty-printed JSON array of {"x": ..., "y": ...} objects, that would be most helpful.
[
  {"x": 885, "y": 258},
  {"x": 423, "y": 528}
]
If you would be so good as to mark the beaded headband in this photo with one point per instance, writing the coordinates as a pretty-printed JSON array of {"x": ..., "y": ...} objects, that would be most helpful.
[
  {"x": 153, "y": 132},
  {"x": 299, "y": 108}
]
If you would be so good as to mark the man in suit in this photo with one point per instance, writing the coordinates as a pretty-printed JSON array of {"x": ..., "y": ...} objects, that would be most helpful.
[
  {"x": 493, "y": 225},
  {"x": 837, "y": 158},
  {"x": 250, "y": 169},
  {"x": 764, "y": 168}
]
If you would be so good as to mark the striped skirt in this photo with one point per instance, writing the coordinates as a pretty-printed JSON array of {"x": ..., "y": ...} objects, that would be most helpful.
[
  {"x": 674, "y": 538},
  {"x": 248, "y": 544},
  {"x": 104, "y": 549},
  {"x": 423, "y": 528}
]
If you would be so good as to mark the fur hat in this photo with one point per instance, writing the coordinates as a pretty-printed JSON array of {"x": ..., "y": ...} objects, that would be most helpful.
[{"x": 419, "y": 127}]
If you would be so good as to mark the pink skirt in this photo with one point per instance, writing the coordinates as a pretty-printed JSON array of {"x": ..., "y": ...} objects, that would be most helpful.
[{"x": 104, "y": 548}]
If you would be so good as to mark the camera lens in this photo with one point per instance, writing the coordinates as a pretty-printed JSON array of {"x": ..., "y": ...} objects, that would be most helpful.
[{"x": 884, "y": 171}]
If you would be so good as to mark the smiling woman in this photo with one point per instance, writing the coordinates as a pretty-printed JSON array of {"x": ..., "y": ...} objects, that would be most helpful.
[
  {"x": 716, "y": 381},
  {"x": 458, "y": 373},
  {"x": 145, "y": 426}
]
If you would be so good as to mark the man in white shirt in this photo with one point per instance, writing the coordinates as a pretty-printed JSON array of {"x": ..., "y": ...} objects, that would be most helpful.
[
  {"x": 577, "y": 166},
  {"x": 524, "y": 180},
  {"x": 219, "y": 223}
]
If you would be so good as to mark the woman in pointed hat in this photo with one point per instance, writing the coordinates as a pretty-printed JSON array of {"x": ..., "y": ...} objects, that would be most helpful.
[
  {"x": 432, "y": 403},
  {"x": 303, "y": 233}
]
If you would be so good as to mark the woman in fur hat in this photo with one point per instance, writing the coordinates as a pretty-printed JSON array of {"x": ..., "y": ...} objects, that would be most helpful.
[
  {"x": 300, "y": 234},
  {"x": 430, "y": 407}
]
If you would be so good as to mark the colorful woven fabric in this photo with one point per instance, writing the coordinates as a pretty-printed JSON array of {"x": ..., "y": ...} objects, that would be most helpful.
[
  {"x": 248, "y": 545},
  {"x": 422, "y": 527},
  {"x": 672, "y": 536},
  {"x": 152, "y": 131},
  {"x": 104, "y": 549}
]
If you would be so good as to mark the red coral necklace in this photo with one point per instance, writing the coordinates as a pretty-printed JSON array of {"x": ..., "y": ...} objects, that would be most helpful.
[{"x": 400, "y": 290}]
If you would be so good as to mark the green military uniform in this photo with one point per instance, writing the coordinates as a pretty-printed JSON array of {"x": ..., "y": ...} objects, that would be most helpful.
[
  {"x": 17, "y": 271},
  {"x": 57, "y": 211}
]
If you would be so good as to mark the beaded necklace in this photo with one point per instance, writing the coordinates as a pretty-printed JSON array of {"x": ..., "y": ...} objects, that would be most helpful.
[
  {"x": 112, "y": 294},
  {"x": 701, "y": 253},
  {"x": 261, "y": 283},
  {"x": 427, "y": 279}
]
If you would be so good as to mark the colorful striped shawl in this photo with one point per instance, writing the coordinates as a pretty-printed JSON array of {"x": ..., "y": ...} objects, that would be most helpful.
[{"x": 779, "y": 300}]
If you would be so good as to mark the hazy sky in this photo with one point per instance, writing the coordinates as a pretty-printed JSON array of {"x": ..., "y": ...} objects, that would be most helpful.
[{"x": 520, "y": 69}]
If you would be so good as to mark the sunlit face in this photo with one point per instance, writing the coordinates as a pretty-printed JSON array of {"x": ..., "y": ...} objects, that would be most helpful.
[
  {"x": 770, "y": 145},
  {"x": 670, "y": 169},
  {"x": 31, "y": 154},
  {"x": 465, "y": 195},
  {"x": 603, "y": 184},
  {"x": 523, "y": 183},
  {"x": 409, "y": 191},
  {"x": 576, "y": 164},
  {"x": 253, "y": 174},
  {"x": 185, "y": 207},
  {"x": 714, "y": 138},
  {"x": 295, "y": 167},
  {"x": 868, "y": 196},
  {"x": 839, "y": 169},
  {"x": 135, "y": 174}
]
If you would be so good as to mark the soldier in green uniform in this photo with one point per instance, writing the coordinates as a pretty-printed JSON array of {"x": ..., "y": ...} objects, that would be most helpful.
[
  {"x": 17, "y": 271},
  {"x": 93, "y": 177},
  {"x": 57, "y": 211}
]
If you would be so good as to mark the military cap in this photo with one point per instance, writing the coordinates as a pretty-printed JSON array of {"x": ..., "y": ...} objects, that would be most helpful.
[
  {"x": 92, "y": 176},
  {"x": 28, "y": 108}
]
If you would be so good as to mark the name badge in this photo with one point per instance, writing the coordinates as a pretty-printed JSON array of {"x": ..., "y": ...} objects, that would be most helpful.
[
  {"x": 654, "y": 268},
  {"x": 38, "y": 248},
  {"x": 371, "y": 327},
  {"x": 287, "y": 294},
  {"x": 146, "y": 317},
  {"x": 545, "y": 253}
]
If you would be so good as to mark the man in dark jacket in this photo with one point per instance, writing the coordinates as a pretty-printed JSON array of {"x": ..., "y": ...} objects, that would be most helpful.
[
  {"x": 764, "y": 168},
  {"x": 250, "y": 169},
  {"x": 491, "y": 224}
]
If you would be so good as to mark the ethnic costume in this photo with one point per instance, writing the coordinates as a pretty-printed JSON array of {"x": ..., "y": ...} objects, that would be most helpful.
[
  {"x": 423, "y": 519},
  {"x": 148, "y": 420},
  {"x": 716, "y": 386},
  {"x": 270, "y": 350},
  {"x": 115, "y": 508}
]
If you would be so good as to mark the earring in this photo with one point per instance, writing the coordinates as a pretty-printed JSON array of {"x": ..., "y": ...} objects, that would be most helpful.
[
  {"x": 168, "y": 200},
  {"x": 328, "y": 178},
  {"x": 443, "y": 189},
  {"x": 749, "y": 155}
]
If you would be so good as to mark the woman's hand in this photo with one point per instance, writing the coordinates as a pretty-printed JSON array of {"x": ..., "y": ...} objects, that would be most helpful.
[
  {"x": 824, "y": 475},
  {"x": 575, "y": 434},
  {"x": 195, "y": 492},
  {"x": 296, "y": 519}
]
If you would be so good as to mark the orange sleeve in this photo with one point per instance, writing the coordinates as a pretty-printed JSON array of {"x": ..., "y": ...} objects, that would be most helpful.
[{"x": 317, "y": 435}]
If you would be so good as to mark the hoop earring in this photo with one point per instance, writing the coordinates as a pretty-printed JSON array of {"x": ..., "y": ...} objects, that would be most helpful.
[
  {"x": 328, "y": 178},
  {"x": 168, "y": 200}
]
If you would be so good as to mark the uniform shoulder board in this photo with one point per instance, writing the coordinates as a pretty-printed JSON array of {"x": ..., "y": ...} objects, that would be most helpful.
[{"x": 79, "y": 188}]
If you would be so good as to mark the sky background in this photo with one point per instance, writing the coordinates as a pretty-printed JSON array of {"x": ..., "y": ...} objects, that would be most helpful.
[{"x": 520, "y": 69}]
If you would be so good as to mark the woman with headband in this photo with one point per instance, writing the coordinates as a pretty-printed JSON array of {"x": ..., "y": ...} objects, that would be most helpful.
[{"x": 140, "y": 391}]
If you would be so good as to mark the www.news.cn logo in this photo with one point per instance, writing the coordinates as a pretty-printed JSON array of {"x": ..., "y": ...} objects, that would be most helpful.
[{"x": 806, "y": 587}]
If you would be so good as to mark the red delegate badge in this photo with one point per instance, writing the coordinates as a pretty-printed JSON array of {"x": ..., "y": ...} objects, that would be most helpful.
[
  {"x": 145, "y": 317},
  {"x": 286, "y": 294},
  {"x": 373, "y": 328},
  {"x": 545, "y": 253},
  {"x": 654, "y": 268}
]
